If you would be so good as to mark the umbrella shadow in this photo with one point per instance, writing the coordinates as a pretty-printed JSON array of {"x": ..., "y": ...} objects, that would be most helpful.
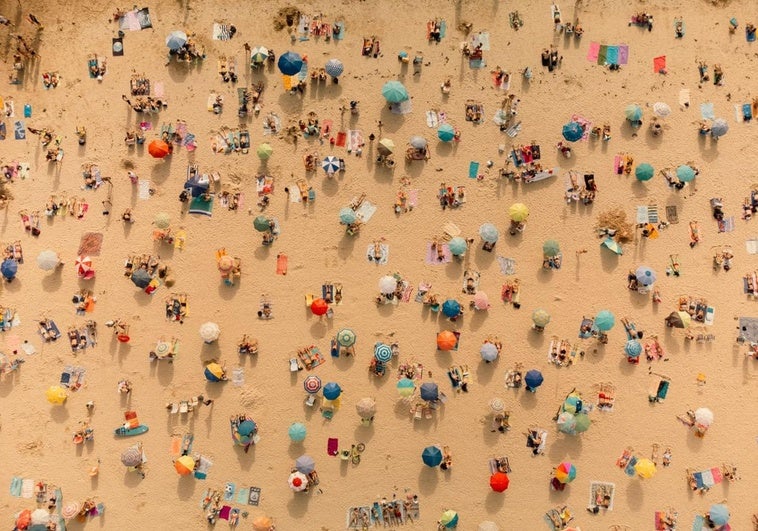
[
  {"x": 161, "y": 171},
  {"x": 52, "y": 281},
  {"x": 634, "y": 494},
  {"x": 344, "y": 363},
  {"x": 185, "y": 487},
  {"x": 59, "y": 414},
  {"x": 483, "y": 259},
  {"x": 210, "y": 351},
  {"x": 290, "y": 104},
  {"x": 528, "y": 400},
  {"x": 141, "y": 298},
  {"x": 320, "y": 328},
  {"x": 330, "y": 187},
  {"x": 131, "y": 478},
  {"x": 364, "y": 433},
  {"x": 297, "y": 507},
  {"x": 428, "y": 478},
  {"x": 444, "y": 149},
  {"x": 609, "y": 261},
  {"x": 164, "y": 371},
  {"x": 244, "y": 459},
  {"x": 536, "y": 339},
  {"x": 477, "y": 319},
  {"x": 494, "y": 502},
  {"x": 485, "y": 371},
  {"x": 227, "y": 292}
]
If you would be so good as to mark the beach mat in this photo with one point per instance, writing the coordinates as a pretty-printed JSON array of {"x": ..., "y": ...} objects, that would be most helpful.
[
  {"x": 602, "y": 55},
  {"x": 200, "y": 206},
  {"x": 90, "y": 244},
  {"x": 118, "y": 46},
  {"x": 341, "y": 139},
  {"x": 659, "y": 64},
  {"x": 707, "y": 112},
  {"x": 281, "y": 264},
  {"x": 473, "y": 169},
  {"x": 593, "y": 51},
  {"x": 612, "y": 55},
  {"x": 19, "y": 130},
  {"x": 341, "y": 35},
  {"x": 623, "y": 54}
]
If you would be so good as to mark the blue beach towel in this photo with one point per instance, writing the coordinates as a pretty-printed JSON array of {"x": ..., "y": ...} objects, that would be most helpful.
[
  {"x": 16, "y": 486},
  {"x": 750, "y": 37},
  {"x": 747, "y": 112},
  {"x": 612, "y": 55},
  {"x": 477, "y": 63},
  {"x": 706, "y": 111},
  {"x": 473, "y": 169},
  {"x": 443, "y": 29},
  {"x": 341, "y": 35}
]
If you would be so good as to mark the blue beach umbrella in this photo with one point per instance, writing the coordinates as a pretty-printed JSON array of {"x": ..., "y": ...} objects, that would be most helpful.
[
  {"x": 9, "y": 268},
  {"x": 290, "y": 63},
  {"x": 331, "y": 164},
  {"x": 394, "y": 92},
  {"x": 446, "y": 132},
  {"x": 451, "y": 308},
  {"x": 382, "y": 352},
  {"x": 604, "y": 321},
  {"x": 633, "y": 112},
  {"x": 572, "y": 131},
  {"x": 334, "y": 67},
  {"x": 685, "y": 173},
  {"x": 533, "y": 380},
  {"x": 431, "y": 456},
  {"x": 176, "y": 39},
  {"x": 457, "y": 246},
  {"x": 489, "y": 232},
  {"x": 297, "y": 432},
  {"x": 305, "y": 464},
  {"x": 429, "y": 391},
  {"x": 488, "y": 352},
  {"x": 719, "y": 127},
  {"x": 645, "y": 276},
  {"x": 644, "y": 172},
  {"x": 633, "y": 348},
  {"x": 719, "y": 514},
  {"x": 332, "y": 391}
]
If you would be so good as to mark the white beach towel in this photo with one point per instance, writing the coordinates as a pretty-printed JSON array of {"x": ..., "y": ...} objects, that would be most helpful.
[
  {"x": 144, "y": 189},
  {"x": 365, "y": 211},
  {"x": 684, "y": 97},
  {"x": 294, "y": 193},
  {"x": 751, "y": 246},
  {"x": 404, "y": 107},
  {"x": 482, "y": 38}
]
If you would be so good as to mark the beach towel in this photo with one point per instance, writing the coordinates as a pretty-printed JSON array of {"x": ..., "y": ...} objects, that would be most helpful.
[
  {"x": 203, "y": 466},
  {"x": 659, "y": 64},
  {"x": 473, "y": 169},
  {"x": 339, "y": 35},
  {"x": 684, "y": 97},
  {"x": 699, "y": 523},
  {"x": 623, "y": 54},
  {"x": 612, "y": 55},
  {"x": 593, "y": 51},
  {"x": 223, "y": 513},
  {"x": 15, "y": 488},
  {"x": 242, "y": 495},
  {"x": 19, "y": 130},
  {"x": 3, "y": 130},
  {"x": 507, "y": 265},
  {"x": 332, "y": 446},
  {"x": 198, "y": 205},
  {"x": 136, "y": 20},
  {"x": 117, "y": 46},
  {"x": 143, "y": 189},
  {"x": 432, "y": 119},
  {"x": 602, "y": 55},
  {"x": 384, "y": 254},
  {"x": 726, "y": 224},
  {"x": 90, "y": 243},
  {"x": 749, "y": 35},
  {"x": 747, "y": 112},
  {"x": 482, "y": 38},
  {"x": 326, "y": 127},
  {"x": 365, "y": 211},
  {"x": 341, "y": 139},
  {"x": 403, "y": 107},
  {"x": 281, "y": 264},
  {"x": 431, "y": 254},
  {"x": 706, "y": 111},
  {"x": 476, "y": 63},
  {"x": 27, "y": 488},
  {"x": 254, "y": 496},
  {"x": 751, "y": 246},
  {"x": 221, "y": 32},
  {"x": 354, "y": 140},
  {"x": 287, "y": 82}
]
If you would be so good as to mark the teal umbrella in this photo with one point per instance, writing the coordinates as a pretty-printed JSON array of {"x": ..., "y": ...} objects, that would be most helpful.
[
  {"x": 551, "y": 248},
  {"x": 582, "y": 422},
  {"x": 489, "y": 232},
  {"x": 572, "y": 404},
  {"x": 261, "y": 224},
  {"x": 446, "y": 132},
  {"x": 604, "y": 321},
  {"x": 685, "y": 173},
  {"x": 405, "y": 387},
  {"x": 346, "y": 337},
  {"x": 347, "y": 216},
  {"x": 633, "y": 348},
  {"x": 394, "y": 92},
  {"x": 644, "y": 172},
  {"x": 572, "y": 131},
  {"x": 457, "y": 246},
  {"x": 297, "y": 432},
  {"x": 633, "y": 112},
  {"x": 612, "y": 245}
]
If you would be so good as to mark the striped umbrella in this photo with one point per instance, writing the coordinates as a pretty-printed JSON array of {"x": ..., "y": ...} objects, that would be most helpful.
[
  {"x": 312, "y": 384},
  {"x": 330, "y": 164},
  {"x": 382, "y": 352},
  {"x": 346, "y": 337},
  {"x": 497, "y": 405},
  {"x": 132, "y": 456},
  {"x": 70, "y": 510},
  {"x": 565, "y": 472},
  {"x": 334, "y": 67},
  {"x": 259, "y": 54}
]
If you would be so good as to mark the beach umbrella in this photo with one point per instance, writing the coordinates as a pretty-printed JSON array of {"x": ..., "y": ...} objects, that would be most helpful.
[
  {"x": 540, "y": 318},
  {"x": 449, "y": 519},
  {"x": 645, "y": 276},
  {"x": 429, "y": 391},
  {"x": 319, "y": 307},
  {"x": 382, "y": 352},
  {"x": 488, "y": 352},
  {"x": 685, "y": 173},
  {"x": 612, "y": 245},
  {"x": 331, "y": 164},
  {"x": 70, "y": 510},
  {"x": 481, "y": 301},
  {"x": 262, "y": 523},
  {"x": 259, "y": 54},
  {"x": 502, "y": 117},
  {"x": 446, "y": 340},
  {"x": 499, "y": 482},
  {"x": 572, "y": 131},
  {"x": 633, "y": 112},
  {"x": 533, "y": 379},
  {"x": 565, "y": 472},
  {"x": 141, "y": 278},
  {"x": 457, "y": 246},
  {"x": 332, "y": 391},
  {"x": 305, "y": 464},
  {"x": 566, "y": 422},
  {"x": 633, "y": 348},
  {"x": 551, "y": 248},
  {"x": 312, "y": 384},
  {"x": 387, "y": 285},
  {"x": 40, "y": 517},
  {"x": 48, "y": 260},
  {"x": 679, "y": 320},
  {"x": 176, "y": 39},
  {"x": 334, "y": 67},
  {"x": 56, "y": 395},
  {"x": 661, "y": 109},
  {"x": 261, "y": 224},
  {"x": 604, "y": 320},
  {"x": 214, "y": 372},
  {"x": 132, "y": 456},
  {"x": 497, "y": 405},
  {"x": 719, "y": 514},
  {"x": 394, "y": 92},
  {"x": 24, "y": 519},
  {"x": 162, "y": 220},
  {"x": 297, "y": 432},
  {"x": 518, "y": 212},
  {"x": 386, "y": 146},
  {"x": 8, "y": 268},
  {"x": 488, "y": 525},
  {"x": 451, "y": 308},
  {"x": 431, "y": 456},
  {"x": 446, "y": 132},
  {"x": 84, "y": 267},
  {"x": 209, "y": 332},
  {"x": 704, "y": 416},
  {"x": 158, "y": 149},
  {"x": 366, "y": 408},
  {"x": 185, "y": 465},
  {"x": 645, "y": 468},
  {"x": 347, "y": 216},
  {"x": 582, "y": 422},
  {"x": 719, "y": 127},
  {"x": 290, "y": 63},
  {"x": 225, "y": 263},
  {"x": 644, "y": 172},
  {"x": 264, "y": 151},
  {"x": 298, "y": 481},
  {"x": 405, "y": 387},
  {"x": 572, "y": 404},
  {"x": 418, "y": 142},
  {"x": 489, "y": 232},
  {"x": 346, "y": 337},
  {"x": 247, "y": 428}
]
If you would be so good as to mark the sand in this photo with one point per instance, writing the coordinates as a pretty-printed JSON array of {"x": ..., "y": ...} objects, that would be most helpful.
[{"x": 36, "y": 437}]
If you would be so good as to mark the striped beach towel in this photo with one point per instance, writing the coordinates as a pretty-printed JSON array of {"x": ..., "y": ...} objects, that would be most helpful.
[{"x": 222, "y": 32}]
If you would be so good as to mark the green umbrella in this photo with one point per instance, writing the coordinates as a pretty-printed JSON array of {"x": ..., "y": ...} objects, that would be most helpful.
[
  {"x": 551, "y": 248},
  {"x": 261, "y": 224},
  {"x": 582, "y": 422},
  {"x": 633, "y": 112},
  {"x": 685, "y": 173},
  {"x": 394, "y": 92},
  {"x": 457, "y": 246},
  {"x": 604, "y": 321},
  {"x": 613, "y": 245},
  {"x": 540, "y": 318},
  {"x": 347, "y": 216},
  {"x": 445, "y": 132},
  {"x": 265, "y": 151},
  {"x": 346, "y": 337},
  {"x": 644, "y": 172}
]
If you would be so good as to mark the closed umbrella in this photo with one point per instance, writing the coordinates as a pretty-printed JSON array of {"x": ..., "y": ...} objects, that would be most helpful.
[
  {"x": 334, "y": 68},
  {"x": 446, "y": 340},
  {"x": 449, "y": 519},
  {"x": 645, "y": 468},
  {"x": 704, "y": 417},
  {"x": 262, "y": 523},
  {"x": 446, "y": 132},
  {"x": 489, "y": 232},
  {"x": 565, "y": 472},
  {"x": 158, "y": 149},
  {"x": 319, "y": 307},
  {"x": 290, "y": 63},
  {"x": 382, "y": 352},
  {"x": 499, "y": 482},
  {"x": 162, "y": 220},
  {"x": 429, "y": 391},
  {"x": 185, "y": 465},
  {"x": 132, "y": 456},
  {"x": 141, "y": 278},
  {"x": 533, "y": 379},
  {"x": 604, "y": 320},
  {"x": 8, "y": 268},
  {"x": 56, "y": 395},
  {"x": 566, "y": 422},
  {"x": 214, "y": 372},
  {"x": 387, "y": 285},
  {"x": 418, "y": 142},
  {"x": 488, "y": 352},
  {"x": 312, "y": 384},
  {"x": 612, "y": 245},
  {"x": 405, "y": 387},
  {"x": 209, "y": 332},
  {"x": 347, "y": 216},
  {"x": 332, "y": 391},
  {"x": 481, "y": 301},
  {"x": 48, "y": 260},
  {"x": 331, "y": 164},
  {"x": 259, "y": 54},
  {"x": 346, "y": 337},
  {"x": 719, "y": 127},
  {"x": 451, "y": 308},
  {"x": 644, "y": 172},
  {"x": 633, "y": 112},
  {"x": 540, "y": 318},
  {"x": 264, "y": 151},
  {"x": 394, "y": 92},
  {"x": 497, "y": 405},
  {"x": 719, "y": 514},
  {"x": 661, "y": 109},
  {"x": 261, "y": 224},
  {"x": 551, "y": 248},
  {"x": 386, "y": 146},
  {"x": 645, "y": 276},
  {"x": 297, "y": 432},
  {"x": 633, "y": 348},
  {"x": 518, "y": 212},
  {"x": 572, "y": 131},
  {"x": 582, "y": 422},
  {"x": 176, "y": 39},
  {"x": 685, "y": 173},
  {"x": 432, "y": 456},
  {"x": 457, "y": 246},
  {"x": 305, "y": 464},
  {"x": 366, "y": 408},
  {"x": 298, "y": 481}
]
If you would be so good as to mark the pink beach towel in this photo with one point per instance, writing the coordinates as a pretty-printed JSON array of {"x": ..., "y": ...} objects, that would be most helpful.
[
  {"x": 431, "y": 254},
  {"x": 593, "y": 52},
  {"x": 224, "y": 512},
  {"x": 412, "y": 198},
  {"x": 623, "y": 54}
]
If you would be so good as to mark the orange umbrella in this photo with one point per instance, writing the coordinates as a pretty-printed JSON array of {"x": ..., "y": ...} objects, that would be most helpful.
[
  {"x": 319, "y": 307},
  {"x": 262, "y": 523},
  {"x": 184, "y": 465},
  {"x": 446, "y": 340},
  {"x": 158, "y": 149},
  {"x": 24, "y": 519}
]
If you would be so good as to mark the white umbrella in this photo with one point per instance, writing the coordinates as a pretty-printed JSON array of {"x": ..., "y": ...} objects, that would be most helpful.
[
  {"x": 209, "y": 332},
  {"x": 366, "y": 408},
  {"x": 387, "y": 284},
  {"x": 48, "y": 260},
  {"x": 70, "y": 510},
  {"x": 40, "y": 517},
  {"x": 704, "y": 416},
  {"x": 497, "y": 405},
  {"x": 661, "y": 109},
  {"x": 298, "y": 481}
]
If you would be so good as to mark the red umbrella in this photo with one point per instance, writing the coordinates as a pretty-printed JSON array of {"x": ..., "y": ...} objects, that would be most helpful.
[
  {"x": 84, "y": 267},
  {"x": 499, "y": 481},
  {"x": 319, "y": 307},
  {"x": 158, "y": 149}
]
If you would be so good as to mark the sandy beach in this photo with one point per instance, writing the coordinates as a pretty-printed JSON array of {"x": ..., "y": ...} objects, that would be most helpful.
[{"x": 710, "y": 370}]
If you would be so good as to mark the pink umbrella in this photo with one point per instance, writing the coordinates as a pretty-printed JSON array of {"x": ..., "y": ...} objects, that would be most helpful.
[
  {"x": 481, "y": 301},
  {"x": 84, "y": 268}
]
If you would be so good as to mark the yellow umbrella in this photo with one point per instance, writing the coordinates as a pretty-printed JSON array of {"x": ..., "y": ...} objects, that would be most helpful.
[
  {"x": 56, "y": 395},
  {"x": 645, "y": 468},
  {"x": 184, "y": 465},
  {"x": 518, "y": 212}
]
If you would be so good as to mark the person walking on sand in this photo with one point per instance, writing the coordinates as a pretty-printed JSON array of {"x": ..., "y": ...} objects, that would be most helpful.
[{"x": 31, "y": 18}]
